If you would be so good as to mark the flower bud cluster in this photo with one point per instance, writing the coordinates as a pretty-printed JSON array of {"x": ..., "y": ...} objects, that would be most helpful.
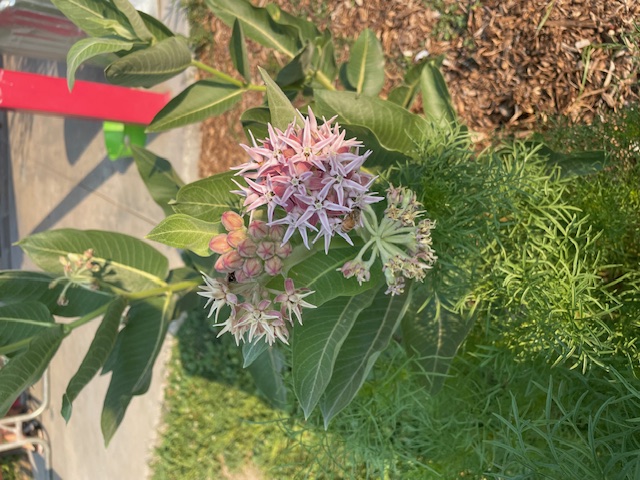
[
  {"x": 78, "y": 271},
  {"x": 402, "y": 240},
  {"x": 246, "y": 253}
]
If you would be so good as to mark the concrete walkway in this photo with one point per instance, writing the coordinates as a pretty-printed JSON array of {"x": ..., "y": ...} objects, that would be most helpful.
[{"x": 61, "y": 177}]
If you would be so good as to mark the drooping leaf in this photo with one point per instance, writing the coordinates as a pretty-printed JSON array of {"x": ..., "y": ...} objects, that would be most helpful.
[
  {"x": 296, "y": 70},
  {"x": 394, "y": 127},
  {"x": 256, "y": 23},
  {"x": 182, "y": 231},
  {"x": 255, "y": 120},
  {"x": 25, "y": 369},
  {"x": 208, "y": 198},
  {"x": 238, "y": 51},
  {"x": 298, "y": 27},
  {"x": 140, "y": 342},
  {"x": 127, "y": 262},
  {"x": 282, "y": 112},
  {"x": 135, "y": 20},
  {"x": 158, "y": 29},
  {"x": 252, "y": 350},
  {"x": 97, "y": 18},
  {"x": 158, "y": 175},
  {"x": 20, "y": 322},
  {"x": 88, "y": 48},
  {"x": 365, "y": 69},
  {"x": 368, "y": 337},
  {"x": 433, "y": 337},
  {"x": 197, "y": 102},
  {"x": 573, "y": 163},
  {"x": 405, "y": 94},
  {"x": 153, "y": 65},
  {"x": 17, "y": 286},
  {"x": 266, "y": 371},
  {"x": 324, "y": 61},
  {"x": 101, "y": 345},
  {"x": 316, "y": 343},
  {"x": 436, "y": 101}
]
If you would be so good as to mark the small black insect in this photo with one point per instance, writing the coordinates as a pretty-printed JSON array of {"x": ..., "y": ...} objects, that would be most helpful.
[{"x": 231, "y": 277}]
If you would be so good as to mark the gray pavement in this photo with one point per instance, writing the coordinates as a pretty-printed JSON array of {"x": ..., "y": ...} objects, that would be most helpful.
[{"x": 61, "y": 177}]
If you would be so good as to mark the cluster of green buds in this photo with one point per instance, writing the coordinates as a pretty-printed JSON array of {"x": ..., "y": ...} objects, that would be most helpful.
[{"x": 78, "y": 271}]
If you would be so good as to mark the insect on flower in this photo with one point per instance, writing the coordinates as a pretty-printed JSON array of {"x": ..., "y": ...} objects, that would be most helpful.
[
  {"x": 351, "y": 219},
  {"x": 231, "y": 277}
]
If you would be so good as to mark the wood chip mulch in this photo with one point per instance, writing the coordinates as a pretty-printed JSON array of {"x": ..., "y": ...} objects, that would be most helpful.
[{"x": 509, "y": 64}]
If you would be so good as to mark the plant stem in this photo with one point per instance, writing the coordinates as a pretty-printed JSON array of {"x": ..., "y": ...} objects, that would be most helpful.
[
  {"x": 227, "y": 78},
  {"x": 154, "y": 292},
  {"x": 86, "y": 318}
]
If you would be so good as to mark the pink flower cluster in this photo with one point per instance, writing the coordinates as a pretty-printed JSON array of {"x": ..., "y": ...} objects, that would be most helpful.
[{"x": 312, "y": 173}]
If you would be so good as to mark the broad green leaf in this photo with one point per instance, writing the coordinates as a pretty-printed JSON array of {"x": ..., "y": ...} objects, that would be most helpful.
[
  {"x": 207, "y": 199},
  {"x": 380, "y": 156},
  {"x": 158, "y": 175},
  {"x": 303, "y": 29},
  {"x": 400, "y": 95},
  {"x": 252, "y": 350},
  {"x": 342, "y": 75},
  {"x": 158, "y": 29},
  {"x": 97, "y": 18},
  {"x": 255, "y": 120},
  {"x": 100, "y": 348},
  {"x": 153, "y": 65},
  {"x": 197, "y": 102},
  {"x": 238, "y": 51},
  {"x": 25, "y": 369},
  {"x": 127, "y": 262},
  {"x": 433, "y": 337},
  {"x": 368, "y": 337},
  {"x": 256, "y": 23},
  {"x": 296, "y": 70},
  {"x": 324, "y": 61},
  {"x": 436, "y": 101},
  {"x": 88, "y": 48},
  {"x": 365, "y": 69},
  {"x": 282, "y": 112},
  {"x": 20, "y": 322},
  {"x": 405, "y": 94},
  {"x": 135, "y": 20},
  {"x": 17, "y": 286},
  {"x": 140, "y": 342},
  {"x": 316, "y": 343},
  {"x": 394, "y": 127},
  {"x": 266, "y": 371},
  {"x": 573, "y": 163},
  {"x": 183, "y": 231}
]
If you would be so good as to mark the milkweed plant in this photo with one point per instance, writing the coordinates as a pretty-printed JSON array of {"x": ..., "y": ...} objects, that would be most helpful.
[{"x": 335, "y": 237}]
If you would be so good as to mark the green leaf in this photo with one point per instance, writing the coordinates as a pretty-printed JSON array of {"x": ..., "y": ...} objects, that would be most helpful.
[
  {"x": 97, "y": 18},
  {"x": 158, "y": 29},
  {"x": 99, "y": 350},
  {"x": 238, "y": 51},
  {"x": 22, "y": 321},
  {"x": 255, "y": 120},
  {"x": 368, "y": 337},
  {"x": 158, "y": 175},
  {"x": 433, "y": 337},
  {"x": 282, "y": 112},
  {"x": 18, "y": 286},
  {"x": 304, "y": 30},
  {"x": 400, "y": 95},
  {"x": 365, "y": 69},
  {"x": 128, "y": 263},
  {"x": 252, "y": 350},
  {"x": 88, "y": 48},
  {"x": 394, "y": 127},
  {"x": 267, "y": 373},
  {"x": 256, "y": 23},
  {"x": 139, "y": 26},
  {"x": 197, "y": 102},
  {"x": 296, "y": 70},
  {"x": 207, "y": 199},
  {"x": 436, "y": 101},
  {"x": 153, "y": 65},
  {"x": 405, "y": 94},
  {"x": 316, "y": 343},
  {"x": 380, "y": 156},
  {"x": 324, "y": 60},
  {"x": 25, "y": 369},
  {"x": 183, "y": 231},
  {"x": 574, "y": 163},
  {"x": 140, "y": 342}
]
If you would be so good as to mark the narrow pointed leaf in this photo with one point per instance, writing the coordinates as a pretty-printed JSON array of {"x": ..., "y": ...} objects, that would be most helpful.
[
  {"x": 88, "y": 48},
  {"x": 368, "y": 337},
  {"x": 296, "y": 70},
  {"x": 303, "y": 29},
  {"x": 22, "y": 321},
  {"x": 252, "y": 350},
  {"x": 436, "y": 101},
  {"x": 127, "y": 262},
  {"x": 182, "y": 231},
  {"x": 282, "y": 112},
  {"x": 26, "y": 368},
  {"x": 153, "y": 65},
  {"x": 140, "y": 342},
  {"x": 256, "y": 23},
  {"x": 266, "y": 371},
  {"x": 324, "y": 60},
  {"x": 18, "y": 287},
  {"x": 316, "y": 343},
  {"x": 395, "y": 128},
  {"x": 238, "y": 51},
  {"x": 158, "y": 29},
  {"x": 158, "y": 175},
  {"x": 208, "y": 198},
  {"x": 99, "y": 350},
  {"x": 97, "y": 18},
  {"x": 365, "y": 69},
  {"x": 136, "y": 22}
]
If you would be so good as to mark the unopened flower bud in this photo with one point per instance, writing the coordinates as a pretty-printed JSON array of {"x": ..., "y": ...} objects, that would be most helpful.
[
  {"x": 232, "y": 221},
  {"x": 241, "y": 277},
  {"x": 283, "y": 251},
  {"x": 258, "y": 230},
  {"x": 219, "y": 244},
  {"x": 273, "y": 266},
  {"x": 236, "y": 237},
  {"x": 229, "y": 262},
  {"x": 247, "y": 248},
  {"x": 276, "y": 232},
  {"x": 266, "y": 250},
  {"x": 252, "y": 267}
]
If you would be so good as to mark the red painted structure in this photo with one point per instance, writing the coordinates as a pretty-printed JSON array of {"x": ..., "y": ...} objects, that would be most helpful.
[{"x": 43, "y": 94}]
